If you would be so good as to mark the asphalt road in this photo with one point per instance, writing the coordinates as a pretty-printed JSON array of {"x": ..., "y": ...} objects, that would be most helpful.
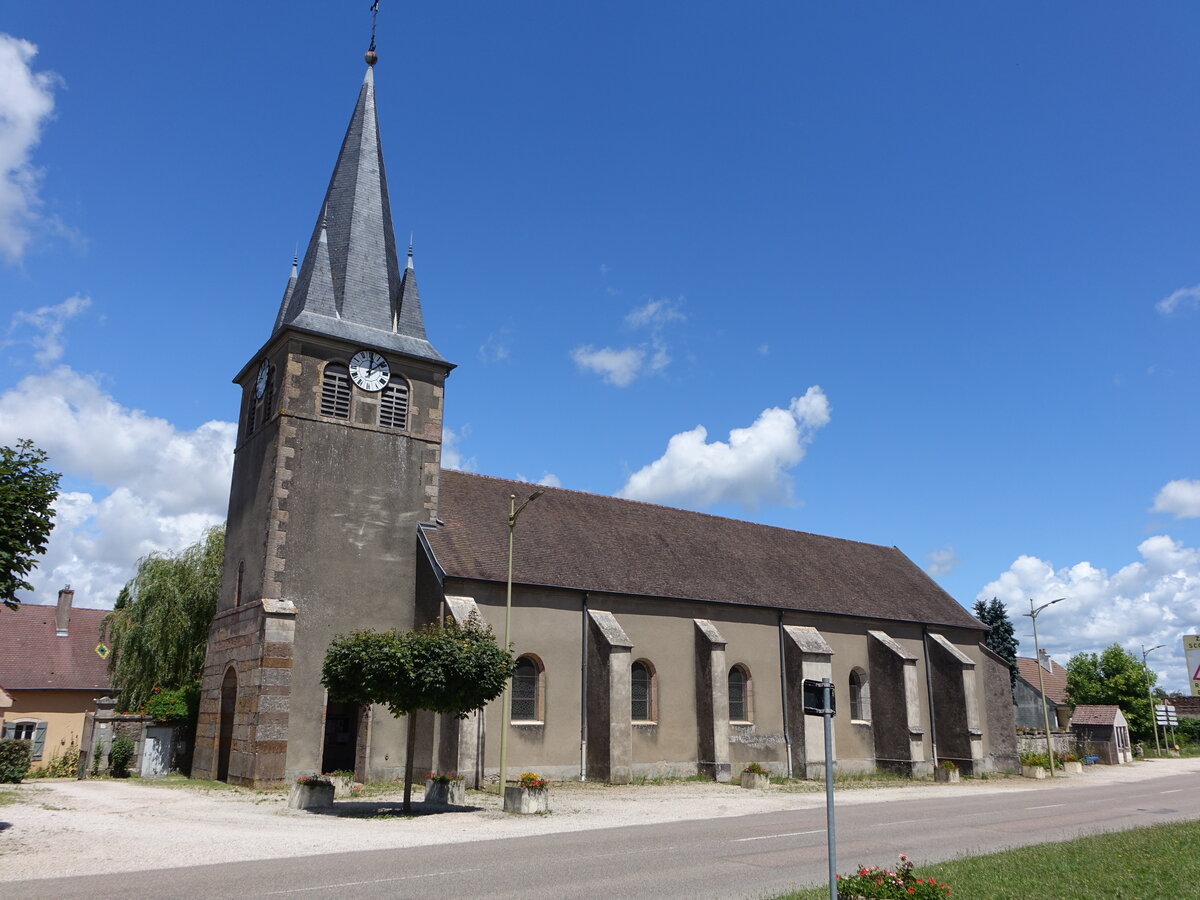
[{"x": 741, "y": 857}]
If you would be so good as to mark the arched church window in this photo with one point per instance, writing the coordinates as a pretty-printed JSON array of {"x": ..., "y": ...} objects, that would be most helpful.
[
  {"x": 643, "y": 707},
  {"x": 335, "y": 391},
  {"x": 860, "y": 696},
  {"x": 393, "y": 403},
  {"x": 527, "y": 690},
  {"x": 741, "y": 709}
]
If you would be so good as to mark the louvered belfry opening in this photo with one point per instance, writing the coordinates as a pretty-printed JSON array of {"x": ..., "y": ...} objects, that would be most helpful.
[
  {"x": 393, "y": 404},
  {"x": 335, "y": 392}
]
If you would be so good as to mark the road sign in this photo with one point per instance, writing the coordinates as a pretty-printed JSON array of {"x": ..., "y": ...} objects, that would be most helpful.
[
  {"x": 1191, "y": 651},
  {"x": 814, "y": 699},
  {"x": 1165, "y": 715}
]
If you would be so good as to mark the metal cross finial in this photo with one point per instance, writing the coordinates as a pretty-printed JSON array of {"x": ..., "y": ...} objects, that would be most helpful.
[{"x": 374, "y": 15}]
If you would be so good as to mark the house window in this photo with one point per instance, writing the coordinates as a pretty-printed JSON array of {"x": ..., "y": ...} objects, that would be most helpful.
[
  {"x": 741, "y": 709},
  {"x": 335, "y": 391},
  {"x": 393, "y": 404},
  {"x": 860, "y": 696},
  {"x": 527, "y": 690},
  {"x": 28, "y": 730},
  {"x": 643, "y": 706}
]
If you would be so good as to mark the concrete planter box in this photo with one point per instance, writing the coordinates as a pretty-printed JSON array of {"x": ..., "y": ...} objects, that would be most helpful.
[
  {"x": 445, "y": 793},
  {"x": 755, "y": 781},
  {"x": 1073, "y": 768},
  {"x": 525, "y": 801},
  {"x": 1033, "y": 771},
  {"x": 311, "y": 796},
  {"x": 343, "y": 786},
  {"x": 949, "y": 776}
]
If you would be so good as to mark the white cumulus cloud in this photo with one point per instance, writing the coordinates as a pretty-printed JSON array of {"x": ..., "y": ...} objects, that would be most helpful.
[
  {"x": 618, "y": 367},
  {"x": 654, "y": 314},
  {"x": 750, "y": 468},
  {"x": 1184, "y": 297},
  {"x": 156, "y": 487},
  {"x": 941, "y": 562},
  {"x": 26, "y": 102},
  {"x": 1181, "y": 498},
  {"x": 1153, "y": 600},
  {"x": 47, "y": 324},
  {"x": 452, "y": 455}
]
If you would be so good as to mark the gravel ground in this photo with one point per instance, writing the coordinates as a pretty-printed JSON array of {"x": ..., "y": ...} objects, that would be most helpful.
[{"x": 56, "y": 828}]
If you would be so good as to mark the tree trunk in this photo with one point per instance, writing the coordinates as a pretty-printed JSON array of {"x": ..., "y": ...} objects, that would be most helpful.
[{"x": 409, "y": 752}]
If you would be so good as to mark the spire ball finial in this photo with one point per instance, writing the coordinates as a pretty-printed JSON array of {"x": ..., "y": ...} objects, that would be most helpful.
[{"x": 371, "y": 57}]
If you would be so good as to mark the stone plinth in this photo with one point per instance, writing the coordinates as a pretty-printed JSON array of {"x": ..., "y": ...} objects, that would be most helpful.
[
  {"x": 1033, "y": 771},
  {"x": 949, "y": 776}
]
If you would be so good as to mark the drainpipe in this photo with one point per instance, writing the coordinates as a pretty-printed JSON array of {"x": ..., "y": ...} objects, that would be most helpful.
[
  {"x": 783, "y": 694},
  {"x": 583, "y": 691},
  {"x": 929, "y": 690}
]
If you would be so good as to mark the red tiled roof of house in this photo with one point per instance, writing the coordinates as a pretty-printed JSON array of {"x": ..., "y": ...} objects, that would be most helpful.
[
  {"x": 1095, "y": 715},
  {"x": 1056, "y": 680},
  {"x": 34, "y": 657},
  {"x": 589, "y": 542}
]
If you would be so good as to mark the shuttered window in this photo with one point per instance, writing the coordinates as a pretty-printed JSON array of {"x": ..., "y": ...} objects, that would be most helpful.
[
  {"x": 335, "y": 392},
  {"x": 393, "y": 404}
]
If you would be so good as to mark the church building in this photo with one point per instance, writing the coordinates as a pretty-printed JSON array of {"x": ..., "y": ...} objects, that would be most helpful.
[{"x": 650, "y": 641}]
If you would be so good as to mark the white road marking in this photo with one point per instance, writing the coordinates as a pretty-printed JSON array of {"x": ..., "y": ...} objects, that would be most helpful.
[
  {"x": 767, "y": 837},
  {"x": 1176, "y": 791},
  {"x": 901, "y": 822},
  {"x": 1051, "y": 806},
  {"x": 344, "y": 884}
]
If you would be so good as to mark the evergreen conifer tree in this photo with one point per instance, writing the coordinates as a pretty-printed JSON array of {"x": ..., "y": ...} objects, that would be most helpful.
[{"x": 1002, "y": 639}]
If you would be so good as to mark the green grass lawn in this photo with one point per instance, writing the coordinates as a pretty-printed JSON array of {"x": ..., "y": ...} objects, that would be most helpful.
[{"x": 1130, "y": 865}]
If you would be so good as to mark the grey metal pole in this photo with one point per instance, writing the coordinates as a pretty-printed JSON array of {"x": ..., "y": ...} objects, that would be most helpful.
[
  {"x": 831, "y": 832},
  {"x": 1150, "y": 694}
]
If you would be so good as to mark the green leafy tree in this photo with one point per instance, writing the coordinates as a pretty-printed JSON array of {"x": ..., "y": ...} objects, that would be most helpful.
[
  {"x": 158, "y": 629},
  {"x": 446, "y": 668},
  {"x": 1002, "y": 639},
  {"x": 27, "y": 492},
  {"x": 1113, "y": 677}
]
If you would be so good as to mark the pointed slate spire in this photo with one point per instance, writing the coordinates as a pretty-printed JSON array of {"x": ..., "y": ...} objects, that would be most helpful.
[
  {"x": 408, "y": 313},
  {"x": 350, "y": 284},
  {"x": 287, "y": 294}
]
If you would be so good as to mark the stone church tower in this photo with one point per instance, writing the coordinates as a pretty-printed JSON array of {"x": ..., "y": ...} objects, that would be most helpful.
[{"x": 335, "y": 469}]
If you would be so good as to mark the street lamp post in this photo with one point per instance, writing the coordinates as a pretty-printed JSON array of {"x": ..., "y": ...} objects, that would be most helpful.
[
  {"x": 1150, "y": 694},
  {"x": 1037, "y": 653},
  {"x": 506, "y": 703}
]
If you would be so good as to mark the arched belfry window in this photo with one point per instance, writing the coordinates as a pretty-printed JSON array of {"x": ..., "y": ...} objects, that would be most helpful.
[
  {"x": 860, "y": 696},
  {"x": 741, "y": 706},
  {"x": 335, "y": 391},
  {"x": 268, "y": 397},
  {"x": 527, "y": 693},
  {"x": 393, "y": 403},
  {"x": 643, "y": 705}
]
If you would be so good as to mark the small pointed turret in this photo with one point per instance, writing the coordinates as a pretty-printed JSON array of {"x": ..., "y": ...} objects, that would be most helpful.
[
  {"x": 408, "y": 313},
  {"x": 350, "y": 284},
  {"x": 287, "y": 294}
]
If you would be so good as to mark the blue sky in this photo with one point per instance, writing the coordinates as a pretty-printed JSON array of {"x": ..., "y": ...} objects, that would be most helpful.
[{"x": 937, "y": 269}]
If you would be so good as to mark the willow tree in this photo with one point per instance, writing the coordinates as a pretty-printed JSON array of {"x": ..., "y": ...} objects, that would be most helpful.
[
  {"x": 158, "y": 629},
  {"x": 450, "y": 669}
]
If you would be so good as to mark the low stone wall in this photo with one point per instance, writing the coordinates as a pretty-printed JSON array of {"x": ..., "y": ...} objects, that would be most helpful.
[{"x": 1035, "y": 742}]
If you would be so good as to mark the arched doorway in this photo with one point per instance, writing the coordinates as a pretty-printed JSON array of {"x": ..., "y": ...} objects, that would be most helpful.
[{"x": 225, "y": 735}]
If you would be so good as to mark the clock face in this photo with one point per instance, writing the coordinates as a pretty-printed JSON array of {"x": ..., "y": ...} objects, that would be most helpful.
[
  {"x": 369, "y": 370},
  {"x": 260, "y": 384}
]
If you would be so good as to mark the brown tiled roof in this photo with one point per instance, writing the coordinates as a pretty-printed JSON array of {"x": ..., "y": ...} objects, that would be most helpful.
[
  {"x": 1095, "y": 715},
  {"x": 589, "y": 542},
  {"x": 1056, "y": 680},
  {"x": 33, "y": 657}
]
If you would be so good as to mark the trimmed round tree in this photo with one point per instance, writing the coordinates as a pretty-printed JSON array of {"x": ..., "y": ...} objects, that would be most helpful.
[{"x": 443, "y": 668}]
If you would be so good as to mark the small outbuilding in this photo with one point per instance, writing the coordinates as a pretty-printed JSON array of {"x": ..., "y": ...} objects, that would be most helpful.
[{"x": 1103, "y": 732}]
